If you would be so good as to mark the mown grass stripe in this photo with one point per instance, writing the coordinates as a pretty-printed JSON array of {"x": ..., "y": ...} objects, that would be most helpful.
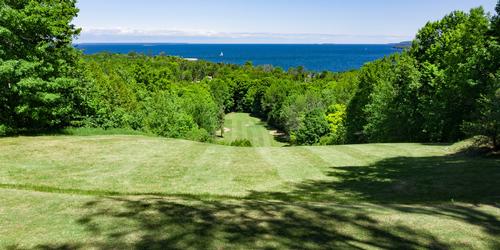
[
  {"x": 98, "y": 192},
  {"x": 244, "y": 126}
]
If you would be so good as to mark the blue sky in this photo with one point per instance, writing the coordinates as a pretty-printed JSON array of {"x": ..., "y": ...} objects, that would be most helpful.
[{"x": 261, "y": 21}]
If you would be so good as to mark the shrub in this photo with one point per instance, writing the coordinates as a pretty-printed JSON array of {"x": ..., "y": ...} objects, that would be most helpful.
[
  {"x": 164, "y": 116},
  {"x": 312, "y": 128},
  {"x": 241, "y": 143},
  {"x": 4, "y": 130},
  {"x": 336, "y": 120},
  {"x": 200, "y": 135}
]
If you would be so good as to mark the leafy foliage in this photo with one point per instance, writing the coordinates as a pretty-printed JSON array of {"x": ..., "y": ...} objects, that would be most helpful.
[
  {"x": 241, "y": 143},
  {"x": 151, "y": 94},
  {"x": 37, "y": 64},
  {"x": 139, "y": 92},
  {"x": 487, "y": 122},
  {"x": 311, "y": 128},
  {"x": 336, "y": 121},
  {"x": 428, "y": 92}
]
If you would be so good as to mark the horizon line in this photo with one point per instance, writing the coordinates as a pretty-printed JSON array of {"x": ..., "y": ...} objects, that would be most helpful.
[{"x": 231, "y": 43}]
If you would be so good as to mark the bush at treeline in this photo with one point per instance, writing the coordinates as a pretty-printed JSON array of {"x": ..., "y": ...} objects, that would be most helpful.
[{"x": 444, "y": 88}]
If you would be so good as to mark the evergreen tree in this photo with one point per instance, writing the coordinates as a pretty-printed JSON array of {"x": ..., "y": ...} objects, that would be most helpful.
[{"x": 37, "y": 63}]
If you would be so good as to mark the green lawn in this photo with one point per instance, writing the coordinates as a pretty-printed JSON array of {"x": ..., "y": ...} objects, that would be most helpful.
[
  {"x": 244, "y": 126},
  {"x": 136, "y": 192}
]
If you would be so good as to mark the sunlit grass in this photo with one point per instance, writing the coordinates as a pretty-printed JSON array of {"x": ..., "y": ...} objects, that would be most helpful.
[
  {"x": 243, "y": 126},
  {"x": 100, "y": 131},
  {"x": 137, "y": 192}
]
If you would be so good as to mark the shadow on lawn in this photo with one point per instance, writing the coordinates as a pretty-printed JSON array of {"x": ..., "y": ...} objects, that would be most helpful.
[
  {"x": 406, "y": 180},
  {"x": 310, "y": 216},
  {"x": 278, "y": 135},
  {"x": 154, "y": 223}
]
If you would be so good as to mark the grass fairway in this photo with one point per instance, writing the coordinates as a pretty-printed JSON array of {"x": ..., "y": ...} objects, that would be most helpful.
[
  {"x": 244, "y": 126},
  {"x": 138, "y": 192}
]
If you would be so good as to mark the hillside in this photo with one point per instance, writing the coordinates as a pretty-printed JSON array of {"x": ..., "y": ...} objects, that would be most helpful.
[
  {"x": 142, "y": 165},
  {"x": 162, "y": 192},
  {"x": 402, "y": 45}
]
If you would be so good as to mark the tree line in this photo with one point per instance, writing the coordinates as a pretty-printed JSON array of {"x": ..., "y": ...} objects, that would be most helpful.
[{"x": 444, "y": 88}]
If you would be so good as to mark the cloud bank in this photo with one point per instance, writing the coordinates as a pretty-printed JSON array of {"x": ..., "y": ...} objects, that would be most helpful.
[{"x": 126, "y": 35}]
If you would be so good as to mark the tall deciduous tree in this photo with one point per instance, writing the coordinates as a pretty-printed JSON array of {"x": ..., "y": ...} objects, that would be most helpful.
[
  {"x": 487, "y": 118},
  {"x": 312, "y": 128},
  {"x": 456, "y": 50},
  {"x": 37, "y": 62}
]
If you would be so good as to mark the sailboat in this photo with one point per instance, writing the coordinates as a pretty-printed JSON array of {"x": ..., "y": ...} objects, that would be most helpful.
[{"x": 221, "y": 54}]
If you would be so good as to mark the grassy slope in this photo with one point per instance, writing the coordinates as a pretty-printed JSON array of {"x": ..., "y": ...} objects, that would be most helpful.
[
  {"x": 244, "y": 126},
  {"x": 354, "y": 196},
  {"x": 136, "y": 164}
]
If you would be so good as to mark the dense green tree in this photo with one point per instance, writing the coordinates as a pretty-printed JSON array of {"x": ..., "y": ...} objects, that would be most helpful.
[
  {"x": 371, "y": 74},
  {"x": 241, "y": 85},
  {"x": 165, "y": 116},
  {"x": 392, "y": 114},
  {"x": 296, "y": 106},
  {"x": 427, "y": 93},
  {"x": 340, "y": 88},
  {"x": 487, "y": 122},
  {"x": 273, "y": 100},
  {"x": 222, "y": 94},
  {"x": 199, "y": 104},
  {"x": 37, "y": 63},
  {"x": 455, "y": 48},
  {"x": 336, "y": 121},
  {"x": 495, "y": 23},
  {"x": 255, "y": 94},
  {"x": 313, "y": 126}
]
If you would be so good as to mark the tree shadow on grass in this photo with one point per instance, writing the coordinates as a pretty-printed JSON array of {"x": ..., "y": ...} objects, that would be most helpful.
[
  {"x": 159, "y": 223},
  {"x": 279, "y": 136},
  {"x": 403, "y": 180},
  {"x": 314, "y": 214}
]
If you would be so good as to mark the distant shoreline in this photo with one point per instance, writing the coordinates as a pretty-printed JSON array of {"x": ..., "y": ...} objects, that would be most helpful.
[
  {"x": 166, "y": 43},
  {"x": 312, "y": 57}
]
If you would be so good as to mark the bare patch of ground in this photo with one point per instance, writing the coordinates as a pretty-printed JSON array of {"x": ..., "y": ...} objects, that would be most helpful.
[{"x": 276, "y": 133}]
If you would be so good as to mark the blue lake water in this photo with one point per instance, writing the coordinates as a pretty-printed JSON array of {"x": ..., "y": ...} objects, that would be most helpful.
[{"x": 316, "y": 57}]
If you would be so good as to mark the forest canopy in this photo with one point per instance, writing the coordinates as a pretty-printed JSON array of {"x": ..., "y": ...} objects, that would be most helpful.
[{"x": 444, "y": 88}]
